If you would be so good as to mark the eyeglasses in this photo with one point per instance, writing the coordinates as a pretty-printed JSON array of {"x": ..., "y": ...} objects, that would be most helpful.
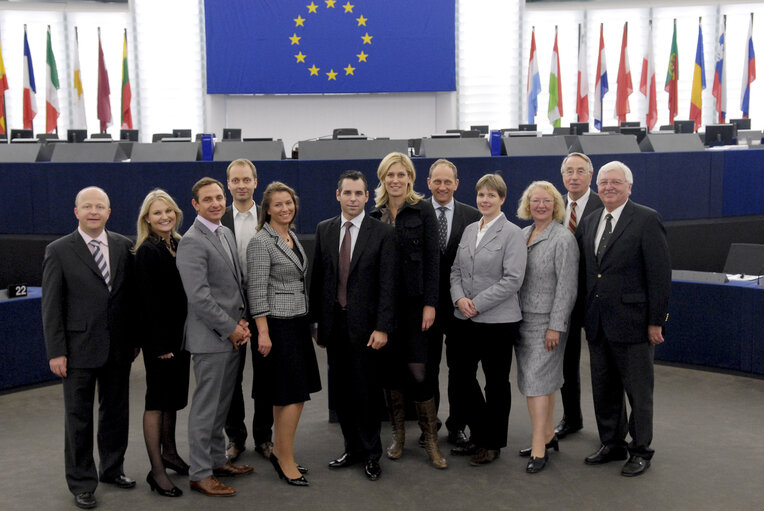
[
  {"x": 608, "y": 182},
  {"x": 545, "y": 202},
  {"x": 578, "y": 172}
]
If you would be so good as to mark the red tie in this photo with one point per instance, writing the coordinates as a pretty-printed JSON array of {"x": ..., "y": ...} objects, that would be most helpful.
[
  {"x": 572, "y": 223},
  {"x": 344, "y": 267}
]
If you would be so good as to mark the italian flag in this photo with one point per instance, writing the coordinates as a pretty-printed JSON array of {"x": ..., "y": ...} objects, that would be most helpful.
[
  {"x": 127, "y": 116},
  {"x": 52, "y": 110}
]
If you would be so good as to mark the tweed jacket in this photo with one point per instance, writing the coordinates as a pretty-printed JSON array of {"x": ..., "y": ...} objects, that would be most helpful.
[
  {"x": 275, "y": 275},
  {"x": 551, "y": 275}
]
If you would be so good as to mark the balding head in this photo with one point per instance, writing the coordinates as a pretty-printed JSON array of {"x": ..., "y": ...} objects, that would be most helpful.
[{"x": 92, "y": 209}]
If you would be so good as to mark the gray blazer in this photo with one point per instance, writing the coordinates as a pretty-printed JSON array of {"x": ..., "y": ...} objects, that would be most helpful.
[
  {"x": 551, "y": 275},
  {"x": 213, "y": 285},
  {"x": 491, "y": 274},
  {"x": 276, "y": 276}
]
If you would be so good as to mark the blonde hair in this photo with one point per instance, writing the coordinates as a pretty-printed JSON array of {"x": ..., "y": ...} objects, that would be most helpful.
[
  {"x": 265, "y": 205},
  {"x": 524, "y": 209},
  {"x": 143, "y": 230},
  {"x": 380, "y": 193}
]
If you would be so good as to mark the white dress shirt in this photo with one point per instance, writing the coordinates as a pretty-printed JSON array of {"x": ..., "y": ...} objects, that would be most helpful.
[
  {"x": 104, "y": 247},
  {"x": 483, "y": 229},
  {"x": 601, "y": 227},
  {"x": 245, "y": 227}
]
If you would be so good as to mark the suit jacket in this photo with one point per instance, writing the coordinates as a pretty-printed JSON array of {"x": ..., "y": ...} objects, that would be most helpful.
[
  {"x": 593, "y": 204},
  {"x": 370, "y": 286},
  {"x": 271, "y": 261},
  {"x": 82, "y": 320},
  {"x": 630, "y": 288},
  {"x": 213, "y": 285},
  {"x": 491, "y": 273},
  {"x": 463, "y": 216},
  {"x": 551, "y": 275},
  {"x": 162, "y": 305},
  {"x": 416, "y": 237}
]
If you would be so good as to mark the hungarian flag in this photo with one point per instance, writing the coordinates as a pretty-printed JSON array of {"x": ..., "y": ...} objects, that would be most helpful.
[
  {"x": 672, "y": 79},
  {"x": 749, "y": 71},
  {"x": 698, "y": 83},
  {"x": 582, "y": 94},
  {"x": 554, "y": 111},
  {"x": 127, "y": 116},
  {"x": 600, "y": 82},
  {"x": 533, "y": 87},
  {"x": 647, "y": 81},
  {"x": 30, "y": 90},
  {"x": 79, "y": 120},
  {"x": 3, "y": 88},
  {"x": 719, "y": 90},
  {"x": 52, "y": 110},
  {"x": 623, "y": 82},
  {"x": 104, "y": 105}
]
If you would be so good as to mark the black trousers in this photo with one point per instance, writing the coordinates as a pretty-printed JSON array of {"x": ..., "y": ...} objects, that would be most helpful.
[
  {"x": 262, "y": 422},
  {"x": 571, "y": 372},
  {"x": 489, "y": 344},
  {"x": 354, "y": 383},
  {"x": 113, "y": 420},
  {"x": 619, "y": 368}
]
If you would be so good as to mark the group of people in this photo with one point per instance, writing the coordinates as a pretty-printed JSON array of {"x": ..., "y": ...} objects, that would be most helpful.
[{"x": 387, "y": 286}]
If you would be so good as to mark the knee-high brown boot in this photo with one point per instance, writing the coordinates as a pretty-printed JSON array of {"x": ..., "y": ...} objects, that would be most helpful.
[
  {"x": 396, "y": 407},
  {"x": 427, "y": 421}
]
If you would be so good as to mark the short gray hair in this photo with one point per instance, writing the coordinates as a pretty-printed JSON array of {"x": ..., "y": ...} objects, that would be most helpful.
[{"x": 617, "y": 165}]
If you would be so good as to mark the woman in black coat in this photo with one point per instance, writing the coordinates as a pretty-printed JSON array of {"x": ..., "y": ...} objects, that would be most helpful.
[
  {"x": 418, "y": 262},
  {"x": 162, "y": 305}
]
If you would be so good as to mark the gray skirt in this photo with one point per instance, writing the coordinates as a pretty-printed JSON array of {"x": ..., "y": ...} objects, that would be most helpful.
[{"x": 539, "y": 372}]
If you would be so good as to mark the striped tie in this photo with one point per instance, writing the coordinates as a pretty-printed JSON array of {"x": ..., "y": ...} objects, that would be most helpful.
[
  {"x": 573, "y": 222},
  {"x": 100, "y": 261}
]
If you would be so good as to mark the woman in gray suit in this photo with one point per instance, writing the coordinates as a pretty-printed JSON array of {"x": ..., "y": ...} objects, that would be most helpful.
[
  {"x": 546, "y": 299},
  {"x": 485, "y": 278},
  {"x": 276, "y": 271}
]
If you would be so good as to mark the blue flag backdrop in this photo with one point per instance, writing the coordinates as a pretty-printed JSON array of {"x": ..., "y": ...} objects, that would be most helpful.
[{"x": 325, "y": 46}]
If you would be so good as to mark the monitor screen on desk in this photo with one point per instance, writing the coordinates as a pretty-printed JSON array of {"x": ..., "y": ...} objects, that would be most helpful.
[
  {"x": 231, "y": 133},
  {"x": 719, "y": 134},
  {"x": 131, "y": 135},
  {"x": 629, "y": 124},
  {"x": 741, "y": 124},
  {"x": 684, "y": 126},
  {"x": 579, "y": 128},
  {"x": 74, "y": 136}
]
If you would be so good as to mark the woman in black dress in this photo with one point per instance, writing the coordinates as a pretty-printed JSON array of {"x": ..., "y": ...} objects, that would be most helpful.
[
  {"x": 416, "y": 233},
  {"x": 162, "y": 304},
  {"x": 276, "y": 271}
]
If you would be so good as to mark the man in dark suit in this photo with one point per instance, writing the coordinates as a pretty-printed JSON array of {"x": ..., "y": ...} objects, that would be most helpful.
[
  {"x": 215, "y": 329},
  {"x": 453, "y": 216},
  {"x": 351, "y": 299},
  {"x": 627, "y": 271},
  {"x": 580, "y": 201},
  {"x": 87, "y": 316},
  {"x": 241, "y": 219}
]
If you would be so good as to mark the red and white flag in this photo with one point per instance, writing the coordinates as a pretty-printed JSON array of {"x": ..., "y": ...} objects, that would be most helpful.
[
  {"x": 647, "y": 81},
  {"x": 624, "y": 87},
  {"x": 582, "y": 95}
]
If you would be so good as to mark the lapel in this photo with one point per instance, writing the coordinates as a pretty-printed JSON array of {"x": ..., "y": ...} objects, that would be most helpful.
[
  {"x": 216, "y": 242},
  {"x": 284, "y": 248},
  {"x": 333, "y": 241},
  {"x": 116, "y": 262},
  {"x": 457, "y": 225},
  {"x": 80, "y": 248},
  {"x": 541, "y": 237},
  {"x": 592, "y": 204},
  {"x": 492, "y": 232},
  {"x": 360, "y": 242},
  {"x": 620, "y": 227}
]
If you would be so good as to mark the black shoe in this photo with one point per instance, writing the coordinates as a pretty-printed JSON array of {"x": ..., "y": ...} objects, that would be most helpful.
[
  {"x": 343, "y": 461},
  {"x": 536, "y": 465},
  {"x": 85, "y": 500},
  {"x": 467, "y": 449},
  {"x": 552, "y": 444},
  {"x": 484, "y": 457},
  {"x": 637, "y": 465},
  {"x": 121, "y": 481},
  {"x": 458, "y": 437},
  {"x": 299, "y": 481},
  {"x": 372, "y": 470},
  {"x": 606, "y": 454},
  {"x": 173, "y": 492},
  {"x": 565, "y": 428}
]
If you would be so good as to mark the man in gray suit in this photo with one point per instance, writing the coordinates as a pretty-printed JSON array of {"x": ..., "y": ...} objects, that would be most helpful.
[
  {"x": 215, "y": 328},
  {"x": 580, "y": 201}
]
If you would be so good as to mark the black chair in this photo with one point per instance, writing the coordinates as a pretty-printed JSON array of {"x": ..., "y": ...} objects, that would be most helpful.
[
  {"x": 745, "y": 258},
  {"x": 344, "y": 131},
  {"x": 157, "y": 137},
  {"x": 232, "y": 134},
  {"x": 181, "y": 133},
  {"x": 129, "y": 135},
  {"x": 101, "y": 135},
  {"x": 76, "y": 136}
]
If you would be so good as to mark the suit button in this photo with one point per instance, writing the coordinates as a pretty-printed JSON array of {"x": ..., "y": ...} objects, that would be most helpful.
[
  {"x": 596, "y": 295},
  {"x": 599, "y": 275}
]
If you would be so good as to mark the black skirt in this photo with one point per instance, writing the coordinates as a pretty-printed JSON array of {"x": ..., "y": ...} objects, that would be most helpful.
[
  {"x": 167, "y": 382},
  {"x": 292, "y": 368}
]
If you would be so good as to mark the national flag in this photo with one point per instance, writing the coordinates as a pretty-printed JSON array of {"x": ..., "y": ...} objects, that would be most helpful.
[
  {"x": 719, "y": 90},
  {"x": 127, "y": 116},
  {"x": 79, "y": 120},
  {"x": 749, "y": 71},
  {"x": 582, "y": 94},
  {"x": 623, "y": 82},
  {"x": 600, "y": 82},
  {"x": 104, "y": 104},
  {"x": 533, "y": 87},
  {"x": 698, "y": 83},
  {"x": 52, "y": 110},
  {"x": 3, "y": 88},
  {"x": 554, "y": 111},
  {"x": 672, "y": 79},
  {"x": 647, "y": 81},
  {"x": 30, "y": 90}
]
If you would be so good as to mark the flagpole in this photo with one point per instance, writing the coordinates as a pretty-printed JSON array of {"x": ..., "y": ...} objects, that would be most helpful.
[{"x": 578, "y": 115}]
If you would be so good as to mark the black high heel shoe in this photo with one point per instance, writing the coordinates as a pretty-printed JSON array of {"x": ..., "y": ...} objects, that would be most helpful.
[
  {"x": 300, "y": 481},
  {"x": 536, "y": 465},
  {"x": 174, "y": 492},
  {"x": 554, "y": 443}
]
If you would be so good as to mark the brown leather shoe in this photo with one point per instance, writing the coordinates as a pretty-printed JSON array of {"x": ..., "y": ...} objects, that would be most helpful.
[
  {"x": 212, "y": 487},
  {"x": 484, "y": 457},
  {"x": 231, "y": 470},
  {"x": 265, "y": 449}
]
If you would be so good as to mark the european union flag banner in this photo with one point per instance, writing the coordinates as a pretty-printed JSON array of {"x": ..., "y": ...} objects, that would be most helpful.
[{"x": 329, "y": 46}]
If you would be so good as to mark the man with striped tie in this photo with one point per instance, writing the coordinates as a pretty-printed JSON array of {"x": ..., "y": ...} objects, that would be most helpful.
[
  {"x": 87, "y": 315},
  {"x": 580, "y": 201}
]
